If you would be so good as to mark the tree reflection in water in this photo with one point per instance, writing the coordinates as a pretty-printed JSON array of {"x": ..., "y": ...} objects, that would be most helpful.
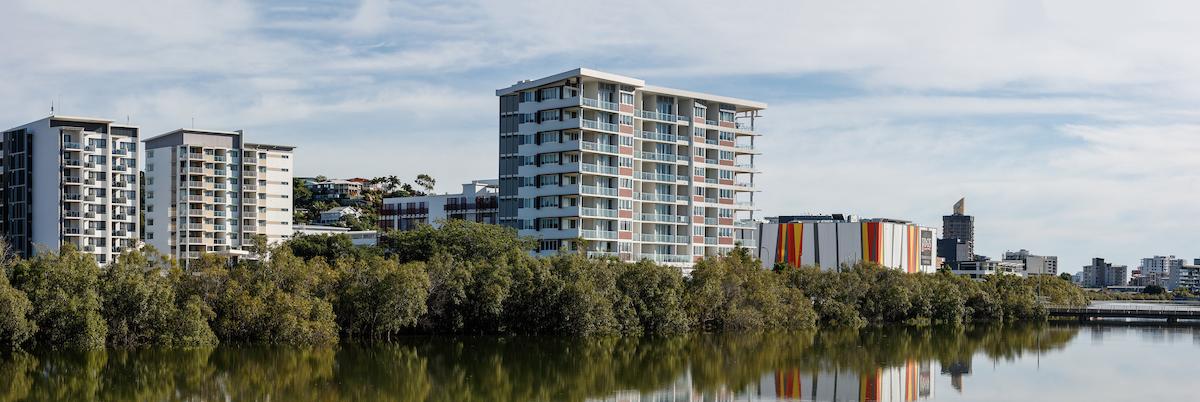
[{"x": 891, "y": 364}]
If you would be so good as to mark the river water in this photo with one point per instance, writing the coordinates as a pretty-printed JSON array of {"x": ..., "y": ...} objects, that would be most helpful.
[{"x": 1049, "y": 362}]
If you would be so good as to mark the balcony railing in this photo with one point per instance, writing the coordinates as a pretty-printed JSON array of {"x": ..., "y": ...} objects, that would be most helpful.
[
  {"x": 658, "y": 176},
  {"x": 648, "y": 114},
  {"x": 599, "y": 125},
  {"x": 745, "y": 126},
  {"x": 656, "y": 156},
  {"x": 662, "y": 218},
  {"x": 596, "y": 103},
  {"x": 598, "y": 212},
  {"x": 652, "y": 135},
  {"x": 592, "y": 146},
  {"x": 659, "y": 238},
  {"x": 598, "y": 234},
  {"x": 655, "y": 197},
  {"x": 590, "y": 168},
  {"x": 664, "y": 257},
  {"x": 72, "y": 145},
  {"x": 596, "y": 190}
]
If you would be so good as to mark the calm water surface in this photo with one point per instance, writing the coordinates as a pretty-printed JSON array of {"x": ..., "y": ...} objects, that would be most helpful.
[{"x": 1027, "y": 363}]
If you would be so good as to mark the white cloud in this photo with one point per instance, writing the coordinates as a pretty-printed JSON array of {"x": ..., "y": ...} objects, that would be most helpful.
[{"x": 1070, "y": 125}]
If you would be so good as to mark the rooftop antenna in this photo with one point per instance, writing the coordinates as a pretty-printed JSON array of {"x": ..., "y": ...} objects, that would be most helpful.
[
  {"x": 51, "y": 108},
  {"x": 193, "y": 121}
]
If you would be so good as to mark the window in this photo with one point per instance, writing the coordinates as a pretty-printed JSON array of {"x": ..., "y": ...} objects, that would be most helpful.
[
  {"x": 549, "y": 136},
  {"x": 699, "y": 111},
  {"x": 548, "y": 223},
  {"x": 626, "y": 226},
  {"x": 547, "y": 202},
  {"x": 725, "y": 174},
  {"x": 726, "y": 155},
  {"x": 626, "y": 120},
  {"x": 527, "y": 96},
  {"x": 149, "y": 167},
  {"x": 626, "y": 141},
  {"x": 626, "y": 183},
  {"x": 626, "y": 162},
  {"x": 550, "y": 93},
  {"x": 548, "y": 179},
  {"x": 626, "y": 204},
  {"x": 726, "y": 115},
  {"x": 725, "y": 213},
  {"x": 726, "y": 136},
  {"x": 548, "y": 158},
  {"x": 699, "y": 151},
  {"x": 725, "y": 193},
  {"x": 626, "y": 98},
  {"x": 547, "y": 115},
  {"x": 698, "y": 171}
]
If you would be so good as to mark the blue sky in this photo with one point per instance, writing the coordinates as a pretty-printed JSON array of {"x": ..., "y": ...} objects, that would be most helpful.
[{"x": 1070, "y": 126}]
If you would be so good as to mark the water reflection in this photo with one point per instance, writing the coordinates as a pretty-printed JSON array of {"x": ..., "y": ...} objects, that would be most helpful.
[{"x": 867, "y": 365}]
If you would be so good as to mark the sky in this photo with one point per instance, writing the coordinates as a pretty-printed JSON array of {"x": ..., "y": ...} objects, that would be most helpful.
[{"x": 1071, "y": 127}]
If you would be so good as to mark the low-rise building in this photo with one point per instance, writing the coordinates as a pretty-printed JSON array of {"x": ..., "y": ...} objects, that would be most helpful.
[
  {"x": 981, "y": 268},
  {"x": 358, "y": 237},
  {"x": 335, "y": 190},
  {"x": 1185, "y": 276},
  {"x": 335, "y": 214},
  {"x": 834, "y": 241},
  {"x": 477, "y": 202},
  {"x": 1102, "y": 274},
  {"x": 1034, "y": 264}
]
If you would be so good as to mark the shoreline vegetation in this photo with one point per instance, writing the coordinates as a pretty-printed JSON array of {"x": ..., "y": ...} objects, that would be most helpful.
[{"x": 468, "y": 278}]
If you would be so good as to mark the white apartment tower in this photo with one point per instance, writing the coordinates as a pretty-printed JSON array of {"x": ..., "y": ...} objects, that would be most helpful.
[
  {"x": 210, "y": 192},
  {"x": 71, "y": 180},
  {"x": 638, "y": 171}
]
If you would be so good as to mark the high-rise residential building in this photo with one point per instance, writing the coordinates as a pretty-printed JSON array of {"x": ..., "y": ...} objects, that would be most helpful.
[
  {"x": 1102, "y": 274},
  {"x": 209, "y": 192},
  {"x": 71, "y": 180},
  {"x": 959, "y": 225},
  {"x": 1186, "y": 276},
  {"x": 638, "y": 171},
  {"x": 477, "y": 202},
  {"x": 1160, "y": 265},
  {"x": 1034, "y": 264}
]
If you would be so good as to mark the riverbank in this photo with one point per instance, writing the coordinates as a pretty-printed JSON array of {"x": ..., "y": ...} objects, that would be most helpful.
[{"x": 469, "y": 278}]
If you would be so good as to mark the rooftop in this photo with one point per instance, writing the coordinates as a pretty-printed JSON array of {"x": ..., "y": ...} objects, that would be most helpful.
[{"x": 587, "y": 72}]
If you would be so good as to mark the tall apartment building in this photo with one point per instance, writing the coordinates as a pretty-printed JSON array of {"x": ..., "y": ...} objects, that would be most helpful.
[
  {"x": 1160, "y": 265},
  {"x": 961, "y": 226},
  {"x": 477, "y": 202},
  {"x": 71, "y": 180},
  {"x": 210, "y": 192},
  {"x": 1102, "y": 274},
  {"x": 639, "y": 171}
]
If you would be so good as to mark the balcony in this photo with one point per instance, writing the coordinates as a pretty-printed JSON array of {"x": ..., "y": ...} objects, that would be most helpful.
[
  {"x": 119, "y": 184},
  {"x": 195, "y": 184},
  {"x": 121, "y": 217},
  {"x": 592, "y": 146},
  {"x": 599, "y": 169},
  {"x": 249, "y": 160},
  {"x": 710, "y": 240},
  {"x": 250, "y": 201},
  {"x": 595, "y": 190},
  {"x": 220, "y": 172},
  {"x": 72, "y": 214},
  {"x": 120, "y": 200},
  {"x": 598, "y": 212},
  {"x": 745, "y": 126},
  {"x": 118, "y": 168},
  {"x": 657, "y": 176},
  {"x": 195, "y": 170},
  {"x": 197, "y": 156},
  {"x": 710, "y": 221},
  {"x": 119, "y": 151},
  {"x": 72, "y": 231},
  {"x": 249, "y": 173},
  {"x": 72, "y": 145},
  {"x": 194, "y": 226},
  {"x": 664, "y": 257},
  {"x": 72, "y": 180},
  {"x": 196, "y": 212},
  {"x": 73, "y": 163},
  {"x": 191, "y": 198},
  {"x": 657, "y": 238},
  {"x": 655, "y": 197},
  {"x": 745, "y": 223},
  {"x": 656, "y": 136},
  {"x": 741, "y": 184},
  {"x": 598, "y": 234},
  {"x": 744, "y": 146},
  {"x": 249, "y": 187},
  {"x": 662, "y": 218},
  {"x": 667, "y": 117},
  {"x": 73, "y": 197},
  {"x": 120, "y": 233},
  {"x": 598, "y": 125},
  {"x": 654, "y": 156},
  {"x": 599, "y": 104}
]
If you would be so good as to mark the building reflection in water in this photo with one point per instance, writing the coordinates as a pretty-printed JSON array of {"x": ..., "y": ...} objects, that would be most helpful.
[{"x": 910, "y": 382}]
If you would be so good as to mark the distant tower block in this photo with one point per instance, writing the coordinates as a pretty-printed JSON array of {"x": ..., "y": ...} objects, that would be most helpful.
[{"x": 960, "y": 206}]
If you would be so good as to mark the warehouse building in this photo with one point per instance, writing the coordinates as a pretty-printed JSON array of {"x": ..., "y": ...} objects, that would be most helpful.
[{"x": 837, "y": 240}]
